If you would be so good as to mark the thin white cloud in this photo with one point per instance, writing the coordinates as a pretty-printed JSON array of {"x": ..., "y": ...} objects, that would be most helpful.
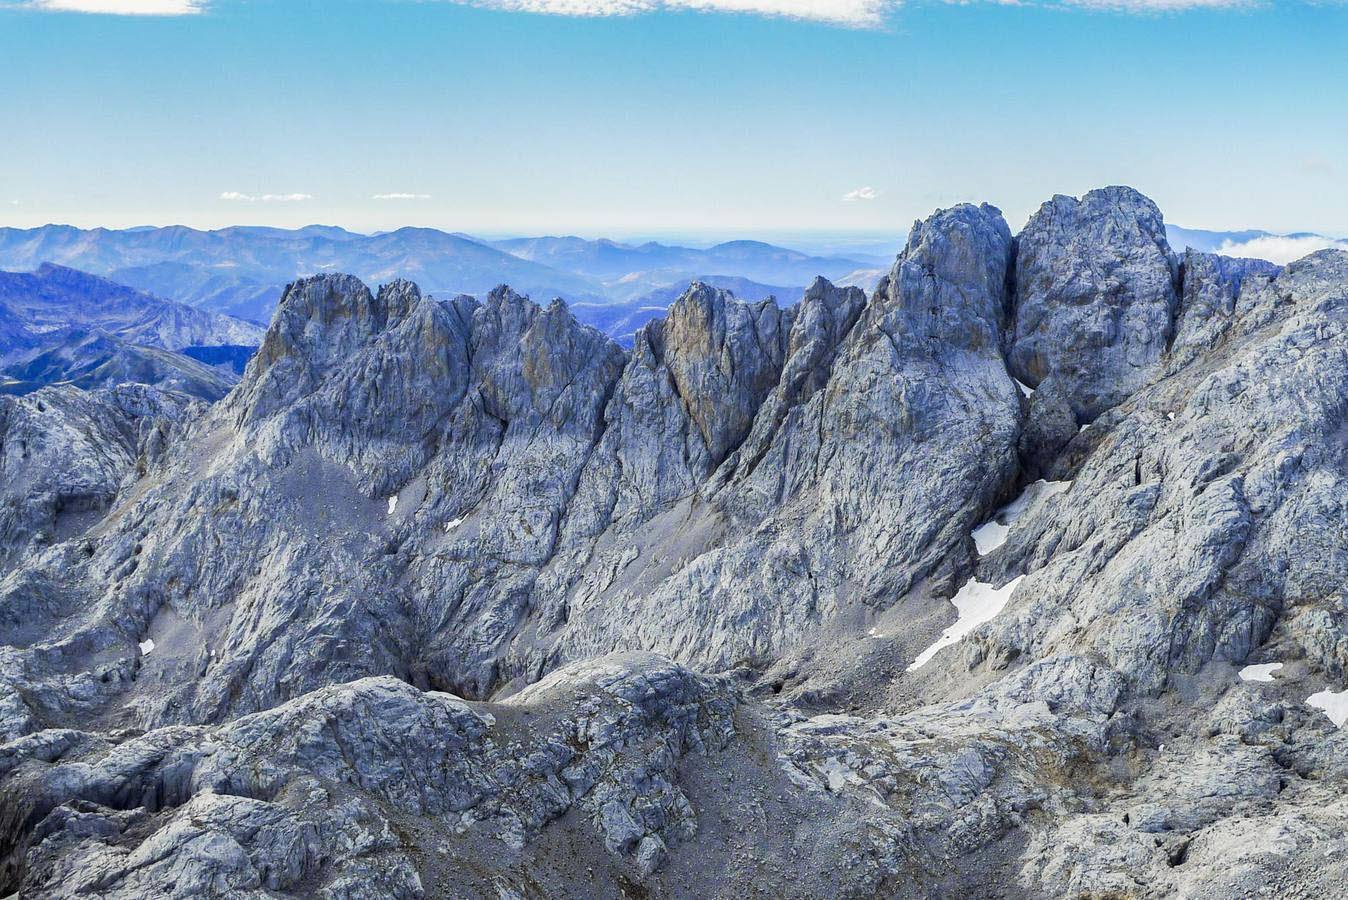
[
  {"x": 850, "y": 13},
  {"x": 122, "y": 7},
  {"x": 1279, "y": 249},
  {"x": 855, "y": 13},
  {"x": 861, "y": 193},
  {"x": 400, "y": 196},
  {"x": 264, "y": 198},
  {"x": 1154, "y": 6}
]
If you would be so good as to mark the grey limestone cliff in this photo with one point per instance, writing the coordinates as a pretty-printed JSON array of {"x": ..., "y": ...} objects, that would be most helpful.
[{"x": 452, "y": 597}]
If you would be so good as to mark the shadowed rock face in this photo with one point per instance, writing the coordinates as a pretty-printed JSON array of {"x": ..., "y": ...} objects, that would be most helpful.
[
  {"x": 1095, "y": 298},
  {"x": 681, "y": 588},
  {"x": 724, "y": 357},
  {"x": 1212, "y": 285}
]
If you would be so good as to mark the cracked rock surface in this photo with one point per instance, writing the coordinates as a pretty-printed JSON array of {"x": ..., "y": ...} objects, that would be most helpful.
[{"x": 455, "y": 597}]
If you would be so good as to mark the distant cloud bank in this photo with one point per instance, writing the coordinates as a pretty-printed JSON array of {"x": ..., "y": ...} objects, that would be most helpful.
[
  {"x": 1279, "y": 249},
  {"x": 856, "y": 13},
  {"x": 121, "y": 7},
  {"x": 235, "y": 196},
  {"x": 861, "y": 193},
  {"x": 851, "y": 13}
]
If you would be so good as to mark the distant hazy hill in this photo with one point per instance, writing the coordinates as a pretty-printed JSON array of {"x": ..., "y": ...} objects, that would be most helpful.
[
  {"x": 96, "y": 359},
  {"x": 628, "y": 271},
  {"x": 61, "y": 325},
  {"x": 620, "y": 321},
  {"x": 37, "y": 304},
  {"x": 242, "y": 270}
]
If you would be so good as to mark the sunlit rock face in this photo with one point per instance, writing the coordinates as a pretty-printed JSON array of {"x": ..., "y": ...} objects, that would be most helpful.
[{"x": 456, "y": 597}]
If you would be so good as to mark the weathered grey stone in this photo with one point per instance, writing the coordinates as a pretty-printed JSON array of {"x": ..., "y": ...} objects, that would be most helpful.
[
  {"x": 64, "y": 453},
  {"x": 1095, "y": 297},
  {"x": 1183, "y": 537},
  {"x": 409, "y": 501}
]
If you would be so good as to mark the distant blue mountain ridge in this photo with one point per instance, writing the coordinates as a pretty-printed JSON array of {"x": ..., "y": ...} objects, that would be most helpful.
[{"x": 242, "y": 270}]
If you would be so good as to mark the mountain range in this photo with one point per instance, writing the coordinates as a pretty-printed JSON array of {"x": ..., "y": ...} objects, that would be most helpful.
[
  {"x": 243, "y": 270},
  {"x": 1021, "y": 575},
  {"x": 61, "y": 325}
]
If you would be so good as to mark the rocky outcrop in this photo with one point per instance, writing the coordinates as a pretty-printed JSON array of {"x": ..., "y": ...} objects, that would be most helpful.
[
  {"x": 1212, "y": 284},
  {"x": 1183, "y": 537},
  {"x": 801, "y": 529},
  {"x": 1095, "y": 301},
  {"x": 319, "y": 794},
  {"x": 420, "y": 608},
  {"x": 723, "y": 357},
  {"x": 65, "y": 452}
]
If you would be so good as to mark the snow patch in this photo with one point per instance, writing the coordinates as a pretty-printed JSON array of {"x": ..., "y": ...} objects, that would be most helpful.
[
  {"x": 392, "y": 502},
  {"x": 993, "y": 534},
  {"x": 977, "y": 602},
  {"x": 1335, "y": 705},
  {"x": 1259, "y": 672},
  {"x": 452, "y": 524},
  {"x": 1024, "y": 388},
  {"x": 990, "y": 536},
  {"x": 146, "y": 646}
]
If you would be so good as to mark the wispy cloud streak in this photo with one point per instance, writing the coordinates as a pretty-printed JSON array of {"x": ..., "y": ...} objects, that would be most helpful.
[
  {"x": 120, "y": 7},
  {"x": 849, "y": 13},
  {"x": 237, "y": 197},
  {"x": 861, "y": 193}
]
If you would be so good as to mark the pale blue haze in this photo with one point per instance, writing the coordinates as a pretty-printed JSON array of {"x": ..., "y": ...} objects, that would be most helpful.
[{"x": 668, "y": 122}]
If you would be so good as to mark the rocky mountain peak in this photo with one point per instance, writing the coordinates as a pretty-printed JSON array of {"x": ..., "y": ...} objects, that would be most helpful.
[
  {"x": 1096, "y": 295},
  {"x": 320, "y": 325},
  {"x": 947, "y": 290},
  {"x": 819, "y": 587},
  {"x": 724, "y": 356}
]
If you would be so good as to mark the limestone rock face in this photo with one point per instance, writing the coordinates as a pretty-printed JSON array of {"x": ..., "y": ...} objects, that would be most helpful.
[
  {"x": 1193, "y": 508},
  {"x": 723, "y": 358},
  {"x": 313, "y": 795},
  {"x": 457, "y": 598},
  {"x": 867, "y": 466},
  {"x": 64, "y": 453},
  {"x": 1212, "y": 284},
  {"x": 1096, "y": 296}
]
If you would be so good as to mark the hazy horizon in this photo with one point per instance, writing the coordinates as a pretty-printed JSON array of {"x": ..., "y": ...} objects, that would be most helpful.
[{"x": 638, "y": 118}]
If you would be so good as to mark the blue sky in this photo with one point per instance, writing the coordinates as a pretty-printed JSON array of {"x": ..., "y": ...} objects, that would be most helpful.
[{"x": 669, "y": 121}]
